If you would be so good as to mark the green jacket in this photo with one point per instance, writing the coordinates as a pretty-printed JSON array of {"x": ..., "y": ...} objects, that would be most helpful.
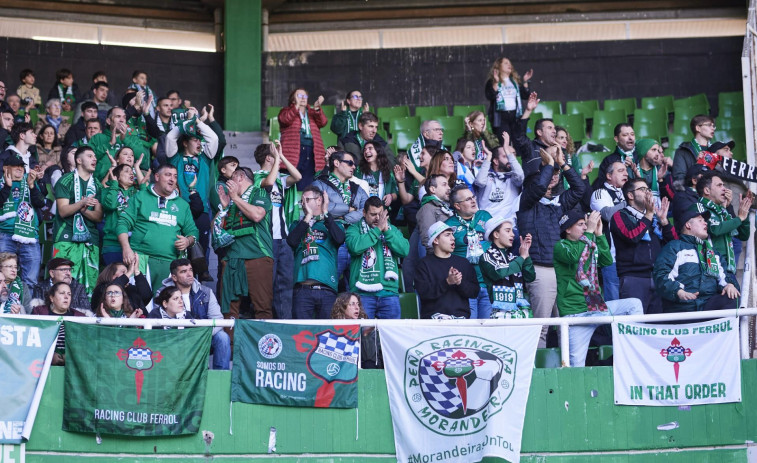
[
  {"x": 153, "y": 229},
  {"x": 64, "y": 227},
  {"x": 501, "y": 268},
  {"x": 315, "y": 251},
  {"x": 340, "y": 123},
  {"x": 114, "y": 201},
  {"x": 570, "y": 294},
  {"x": 722, "y": 227},
  {"x": 253, "y": 240},
  {"x": 368, "y": 258},
  {"x": 460, "y": 226}
]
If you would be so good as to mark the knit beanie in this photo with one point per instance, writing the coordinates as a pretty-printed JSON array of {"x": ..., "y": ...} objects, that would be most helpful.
[{"x": 644, "y": 145}]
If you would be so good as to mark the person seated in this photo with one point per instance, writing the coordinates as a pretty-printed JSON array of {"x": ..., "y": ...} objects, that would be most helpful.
[
  {"x": 53, "y": 117},
  {"x": 505, "y": 273},
  {"x": 689, "y": 274},
  {"x": 137, "y": 293},
  {"x": 59, "y": 271},
  {"x": 578, "y": 256},
  {"x": 27, "y": 91},
  {"x": 66, "y": 91},
  {"x": 19, "y": 295},
  {"x": 115, "y": 304},
  {"x": 48, "y": 147},
  {"x": 183, "y": 296},
  {"x": 688, "y": 196},
  {"x": 375, "y": 245},
  {"x": 367, "y": 130},
  {"x": 57, "y": 302},
  {"x": 444, "y": 282},
  {"x": 348, "y": 306}
]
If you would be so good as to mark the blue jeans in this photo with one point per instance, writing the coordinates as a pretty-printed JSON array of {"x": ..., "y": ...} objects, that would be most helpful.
[
  {"x": 610, "y": 282},
  {"x": 283, "y": 276},
  {"x": 580, "y": 335},
  {"x": 29, "y": 257},
  {"x": 481, "y": 306},
  {"x": 111, "y": 257},
  {"x": 221, "y": 350},
  {"x": 308, "y": 302},
  {"x": 385, "y": 308}
]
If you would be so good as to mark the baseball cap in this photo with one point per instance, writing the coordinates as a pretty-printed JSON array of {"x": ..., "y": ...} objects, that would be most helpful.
[
  {"x": 570, "y": 219},
  {"x": 436, "y": 229},
  {"x": 684, "y": 215}
]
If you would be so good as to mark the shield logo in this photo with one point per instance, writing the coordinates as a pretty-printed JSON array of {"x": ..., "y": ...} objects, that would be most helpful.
[{"x": 335, "y": 357}]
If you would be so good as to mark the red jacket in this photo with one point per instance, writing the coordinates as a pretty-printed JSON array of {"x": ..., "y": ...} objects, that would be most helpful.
[{"x": 291, "y": 123}]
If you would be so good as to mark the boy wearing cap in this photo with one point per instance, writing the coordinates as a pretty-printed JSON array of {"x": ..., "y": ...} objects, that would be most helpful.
[
  {"x": 577, "y": 258},
  {"x": 689, "y": 273},
  {"x": 505, "y": 273},
  {"x": 444, "y": 282},
  {"x": 19, "y": 221}
]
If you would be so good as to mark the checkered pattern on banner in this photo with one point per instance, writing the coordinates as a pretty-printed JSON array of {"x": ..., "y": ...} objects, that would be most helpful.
[
  {"x": 139, "y": 353},
  {"x": 339, "y": 344},
  {"x": 440, "y": 391},
  {"x": 675, "y": 350}
]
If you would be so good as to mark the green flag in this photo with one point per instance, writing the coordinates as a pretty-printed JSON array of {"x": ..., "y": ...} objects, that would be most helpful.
[
  {"x": 135, "y": 382},
  {"x": 295, "y": 365},
  {"x": 25, "y": 345}
]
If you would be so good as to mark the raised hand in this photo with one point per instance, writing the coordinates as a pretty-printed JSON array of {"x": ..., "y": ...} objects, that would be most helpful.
[
  {"x": 527, "y": 76},
  {"x": 399, "y": 173},
  {"x": 533, "y": 101},
  {"x": 525, "y": 246},
  {"x": 744, "y": 205},
  {"x": 587, "y": 168},
  {"x": 318, "y": 102},
  {"x": 593, "y": 221},
  {"x": 662, "y": 211}
]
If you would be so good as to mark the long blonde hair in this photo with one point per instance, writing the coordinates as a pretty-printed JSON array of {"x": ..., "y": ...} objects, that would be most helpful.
[{"x": 497, "y": 63}]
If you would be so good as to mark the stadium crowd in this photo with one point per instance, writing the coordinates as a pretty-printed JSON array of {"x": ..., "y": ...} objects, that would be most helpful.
[{"x": 138, "y": 190}]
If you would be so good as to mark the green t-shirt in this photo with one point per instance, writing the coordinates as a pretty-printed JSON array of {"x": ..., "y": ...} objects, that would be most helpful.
[
  {"x": 115, "y": 200},
  {"x": 64, "y": 227},
  {"x": 253, "y": 240}
]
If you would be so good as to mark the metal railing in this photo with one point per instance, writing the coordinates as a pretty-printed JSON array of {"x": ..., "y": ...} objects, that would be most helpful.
[{"x": 562, "y": 322}]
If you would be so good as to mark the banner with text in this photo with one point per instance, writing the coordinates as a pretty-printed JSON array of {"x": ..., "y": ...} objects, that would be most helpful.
[
  {"x": 135, "y": 382},
  {"x": 295, "y": 365},
  {"x": 26, "y": 348},
  {"x": 691, "y": 364},
  {"x": 458, "y": 394},
  {"x": 740, "y": 169}
]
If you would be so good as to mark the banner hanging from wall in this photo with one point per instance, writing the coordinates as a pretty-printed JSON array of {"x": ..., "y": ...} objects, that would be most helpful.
[
  {"x": 458, "y": 394},
  {"x": 295, "y": 365},
  {"x": 26, "y": 349},
  {"x": 135, "y": 382},
  {"x": 689, "y": 364},
  {"x": 740, "y": 169}
]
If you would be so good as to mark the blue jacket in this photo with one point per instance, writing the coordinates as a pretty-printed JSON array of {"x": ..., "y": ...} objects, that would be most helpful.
[{"x": 203, "y": 304}]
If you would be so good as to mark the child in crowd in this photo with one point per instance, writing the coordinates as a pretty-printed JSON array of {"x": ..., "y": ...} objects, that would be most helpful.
[{"x": 28, "y": 93}]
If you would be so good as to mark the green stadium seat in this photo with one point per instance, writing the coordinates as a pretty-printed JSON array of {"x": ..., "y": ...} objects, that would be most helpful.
[
  {"x": 454, "y": 128},
  {"x": 406, "y": 124},
  {"x": 549, "y": 108},
  {"x": 652, "y": 121},
  {"x": 736, "y": 112},
  {"x": 648, "y": 129},
  {"x": 67, "y": 116},
  {"x": 681, "y": 127},
  {"x": 575, "y": 124},
  {"x": 272, "y": 111},
  {"x": 730, "y": 99},
  {"x": 608, "y": 142},
  {"x": 605, "y": 352},
  {"x": 609, "y": 117},
  {"x": 329, "y": 137},
  {"x": 390, "y": 112},
  {"x": 698, "y": 100},
  {"x": 652, "y": 102},
  {"x": 626, "y": 104},
  {"x": 687, "y": 113},
  {"x": 409, "y": 308},
  {"x": 382, "y": 133},
  {"x": 328, "y": 110},
  {"x": 531, "y": 123},
  {"x": 548, "y": 358},
  {"x": 585, "y": 107},
  {"x": 728, "y": 123},
  {"x": 464, "y": 110},
  {"x": 403, "y": 140},
  {"x": 603, "y": 131},
  {"x": 274, "y": 131},
  {"x": 427, "y": 113}
]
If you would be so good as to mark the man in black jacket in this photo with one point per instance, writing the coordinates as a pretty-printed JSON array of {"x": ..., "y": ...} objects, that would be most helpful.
[
  {"x": 354, "y": 142},
  {"x": 444, "y": 282},
  {"x": 703, "y": 128},
  {"x": 539, "y": 214},
  {"x": 638, "y": 231}
]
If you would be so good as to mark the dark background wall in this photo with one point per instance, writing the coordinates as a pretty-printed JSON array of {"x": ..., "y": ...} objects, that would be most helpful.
[
  {"x": 562, "y": 71},
  {"x": 198, "y": 76}
]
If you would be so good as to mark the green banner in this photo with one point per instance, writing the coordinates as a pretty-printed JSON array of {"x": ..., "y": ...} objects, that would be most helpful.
[
  {"x": 24, "y": 347},
  {"x": 295, "y": 365},
  {"x": 135, "y": 382}
]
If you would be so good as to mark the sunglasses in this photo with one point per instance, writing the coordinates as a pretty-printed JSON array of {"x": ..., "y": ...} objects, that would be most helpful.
[{"x": 348, "y": 162}]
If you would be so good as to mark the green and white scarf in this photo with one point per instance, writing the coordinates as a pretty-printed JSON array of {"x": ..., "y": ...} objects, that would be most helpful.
[
  {"x": 353, "y": 120},
  {"x": 415, "y": 151},
  {"x": 25, "y": 227},
  {"x": 66, "y": 95},
  {"x": 81, "y": 232},
  {"x": 311, "y": 250},
  {"x": 369, "y": 279},
  {"x": 305, "y": 128},
  {"x": 220, "y": 238},
  {"x": 707, "y": 259},
  {"x": 723, "y": 215},
  {"x": 342, "y": 188},
  {"x": 696, "y": 147},
  {"x": 236, "y": 215},
  {"x": 15, "y": 293}
]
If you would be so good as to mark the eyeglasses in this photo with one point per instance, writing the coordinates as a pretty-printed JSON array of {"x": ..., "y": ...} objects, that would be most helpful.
[
  {"x": 708, "y": 124},
  {"x": 63, "y": 269},
  {"x": 643, "y": 189},
  {"x": 436, "y": 129},
  {"x": 11, "y": 267},
  {"x": 348, "y": 162},
  {"x": 302, "y": 95},
  {"x": 469, "y": 198},
  {"x": 311, "y": 199},
  {"x": 357, "y": 97},
  {"x": 113, "y": 293}
]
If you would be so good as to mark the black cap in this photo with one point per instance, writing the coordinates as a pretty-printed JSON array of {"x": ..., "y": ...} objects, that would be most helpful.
[
  {"x": 570, "y": 219},
  {"x": 719, "y": 145},
  {"x": 14, "y": 161},
  {"x": 684, "y": 215},
  {"x": 695, "y": 170}
]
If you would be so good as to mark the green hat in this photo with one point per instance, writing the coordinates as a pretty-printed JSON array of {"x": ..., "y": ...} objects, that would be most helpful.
[
  {"x": 644, "y": 145},
  {"x": 189, "y": 128}
]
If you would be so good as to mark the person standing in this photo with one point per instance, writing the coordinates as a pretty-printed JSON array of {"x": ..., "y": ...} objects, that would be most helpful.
[{"x": 301, "y": 141}]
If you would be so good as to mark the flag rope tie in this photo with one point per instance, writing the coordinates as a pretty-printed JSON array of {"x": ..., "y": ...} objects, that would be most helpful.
[
  {"x": 357, "y": 423},
  {"x": 231, "y": 421}
]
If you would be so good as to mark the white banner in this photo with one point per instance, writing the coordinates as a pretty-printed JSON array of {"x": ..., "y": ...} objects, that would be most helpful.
[
  {"x": 458, "y": 394},
  {"x": 691, "y": 364}
]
